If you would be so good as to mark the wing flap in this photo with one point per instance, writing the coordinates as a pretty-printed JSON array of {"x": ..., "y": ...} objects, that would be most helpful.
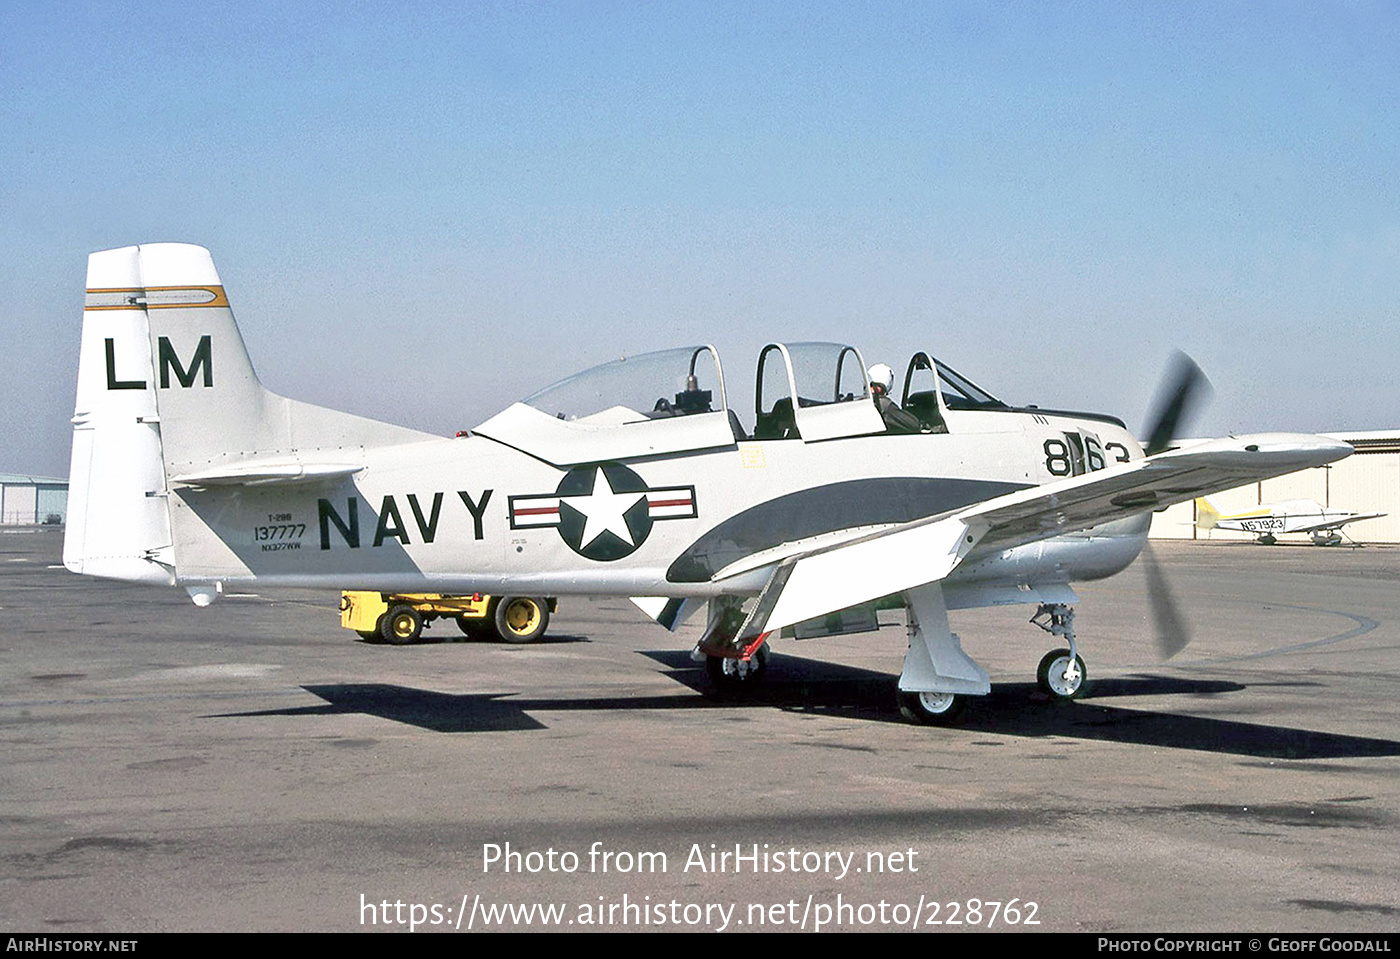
[{"x": 823, "y": 582}]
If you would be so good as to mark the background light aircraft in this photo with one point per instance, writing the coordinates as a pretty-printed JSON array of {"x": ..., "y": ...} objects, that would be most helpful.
[
  {"x": 636, "y": 479},
  {"x": 1272, "y": 520}
]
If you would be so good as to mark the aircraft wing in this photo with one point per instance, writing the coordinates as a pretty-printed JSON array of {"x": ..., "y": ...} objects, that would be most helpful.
[
  {"x": 832, "y": 577},
  {"x": 1334, "y": 523}
]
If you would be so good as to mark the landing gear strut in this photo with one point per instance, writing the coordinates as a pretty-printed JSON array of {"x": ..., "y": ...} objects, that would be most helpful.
[
  {"x": 938, "y": 677},
  {"x": 1061, "y": 673},
  {"x": 732, "y": 666}
]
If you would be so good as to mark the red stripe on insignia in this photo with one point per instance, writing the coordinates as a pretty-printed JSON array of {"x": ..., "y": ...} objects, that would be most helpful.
[
  {"x": 537, "y": 511},
  {"x": 671, "y": 502}
]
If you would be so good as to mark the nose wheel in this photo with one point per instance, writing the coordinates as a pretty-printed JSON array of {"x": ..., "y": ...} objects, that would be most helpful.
[{"x": 1061, "y": 673}]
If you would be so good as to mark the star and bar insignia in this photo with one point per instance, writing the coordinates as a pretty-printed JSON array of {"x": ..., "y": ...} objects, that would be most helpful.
[{"x": 603, "y": 512}]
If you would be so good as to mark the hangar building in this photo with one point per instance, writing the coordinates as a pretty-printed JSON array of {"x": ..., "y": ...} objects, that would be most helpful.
[
  {"x": 1368, "y": 481},
  {"x": 26, "y": 500}
]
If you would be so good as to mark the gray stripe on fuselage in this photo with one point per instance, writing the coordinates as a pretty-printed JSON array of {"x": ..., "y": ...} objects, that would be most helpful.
[{"x": 825, "y": 509}]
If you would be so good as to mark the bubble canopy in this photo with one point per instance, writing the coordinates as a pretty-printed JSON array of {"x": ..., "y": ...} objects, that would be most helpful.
[
  {"x": 672, "y": 401},
  {"x": 652, "y": 404},
  {"x": 677, "y": 382}
]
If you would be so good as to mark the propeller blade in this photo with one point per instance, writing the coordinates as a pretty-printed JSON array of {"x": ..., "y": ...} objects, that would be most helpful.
[
  {"x": 1182, "y": 393},
  {"x": 1172, "y": 632}
]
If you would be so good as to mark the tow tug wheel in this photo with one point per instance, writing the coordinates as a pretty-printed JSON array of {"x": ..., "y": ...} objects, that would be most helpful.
[
  {"x": 932, "y": 709},
  {"x": 401, "y": 625},
  {"x": 522, "y": 619},
  {"x": 1060, "y": 676},
  {"x": 727, "y": 672},
  {"x": 473, "y": 626}
]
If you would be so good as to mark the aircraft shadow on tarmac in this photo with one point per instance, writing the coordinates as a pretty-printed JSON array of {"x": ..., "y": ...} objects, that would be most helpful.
[{"x": 803, "y": 685}]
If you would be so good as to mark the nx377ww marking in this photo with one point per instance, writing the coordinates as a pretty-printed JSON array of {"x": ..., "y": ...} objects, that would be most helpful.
[{"x": 635, "y": 479}]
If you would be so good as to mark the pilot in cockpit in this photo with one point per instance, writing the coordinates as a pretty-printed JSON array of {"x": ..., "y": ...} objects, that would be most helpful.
[{"x": 897, "y": 419}]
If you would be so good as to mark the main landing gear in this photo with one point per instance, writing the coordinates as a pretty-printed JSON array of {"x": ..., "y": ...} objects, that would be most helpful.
[
  {"x": 937, "y": 663},
  {"x": 1061, "y": 673},
  {"x": 732, "y": 666},
  {"x": 932, "y": 709},
  {"x": 938, "y": 679},
  {"x": 732, "y": 673}
]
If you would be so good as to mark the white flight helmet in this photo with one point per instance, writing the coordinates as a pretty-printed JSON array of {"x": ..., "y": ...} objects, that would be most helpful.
[{"x": 882, "y": 376}]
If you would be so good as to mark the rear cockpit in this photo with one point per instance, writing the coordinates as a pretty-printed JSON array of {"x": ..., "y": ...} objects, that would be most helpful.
[
  {"x": 651, "y": 404},
  {"x": 651, "y": 386}
]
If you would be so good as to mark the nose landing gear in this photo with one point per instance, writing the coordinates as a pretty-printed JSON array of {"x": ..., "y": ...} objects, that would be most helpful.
[{"x": 1061, "y": 673}]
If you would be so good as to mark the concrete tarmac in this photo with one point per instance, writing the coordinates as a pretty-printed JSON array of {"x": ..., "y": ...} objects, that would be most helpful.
[{"x": 252, "y": 766}]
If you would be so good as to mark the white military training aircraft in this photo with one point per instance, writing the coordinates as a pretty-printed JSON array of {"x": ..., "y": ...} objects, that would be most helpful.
[
  {"x": 1272, "y": 520},
  {"x": 636, "y": 479}
]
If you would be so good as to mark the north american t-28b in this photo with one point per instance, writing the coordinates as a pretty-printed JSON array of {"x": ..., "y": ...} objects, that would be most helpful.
[{"x": 637, "y": 479}]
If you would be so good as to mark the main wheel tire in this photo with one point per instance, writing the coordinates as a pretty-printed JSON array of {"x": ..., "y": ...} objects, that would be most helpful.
[
  {"x": 1267, "y": 539},
  {"x": 1055, "y": 677},
  {"x": 932, "y": 709},
  {"x": 474, "y": 626},
  {"x": 401, "y": 625},
  {"x": 728, "y": 672},
  {"x": 522, "y": 619}
]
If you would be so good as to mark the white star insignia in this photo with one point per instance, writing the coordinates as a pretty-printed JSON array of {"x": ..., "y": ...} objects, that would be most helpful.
[{"x": 603, "y": 511}]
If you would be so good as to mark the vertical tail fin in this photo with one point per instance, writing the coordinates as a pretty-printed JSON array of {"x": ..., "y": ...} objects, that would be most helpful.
[
  {"x": 167, "y": 396},
  {"x": 1206, "y": 515}
]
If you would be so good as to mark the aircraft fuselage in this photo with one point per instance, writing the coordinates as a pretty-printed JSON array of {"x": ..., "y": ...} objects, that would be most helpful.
[{"x": 475, "y": 514}]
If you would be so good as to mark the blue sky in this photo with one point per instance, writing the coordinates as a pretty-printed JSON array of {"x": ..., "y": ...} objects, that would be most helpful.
[{"x": 424, "y": 211}]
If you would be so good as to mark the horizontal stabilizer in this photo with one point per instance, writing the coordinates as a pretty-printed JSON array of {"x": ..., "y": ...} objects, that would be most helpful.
[{"x": 260, "y": 474}]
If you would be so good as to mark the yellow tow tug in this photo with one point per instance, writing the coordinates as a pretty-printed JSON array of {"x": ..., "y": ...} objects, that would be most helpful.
[{"x": 399, "y": 618}]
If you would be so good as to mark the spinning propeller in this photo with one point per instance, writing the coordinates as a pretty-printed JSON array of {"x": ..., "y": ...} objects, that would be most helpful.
[{"x": 1183, "y": 391}]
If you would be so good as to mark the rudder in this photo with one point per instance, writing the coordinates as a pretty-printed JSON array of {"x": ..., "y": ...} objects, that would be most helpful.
[
  {"x": 1207, "y": 516},
  {"x": 118, "y": 520}
]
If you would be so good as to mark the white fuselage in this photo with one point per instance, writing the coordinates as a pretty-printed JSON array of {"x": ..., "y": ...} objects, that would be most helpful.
[{"x": 474, "y": 514}]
